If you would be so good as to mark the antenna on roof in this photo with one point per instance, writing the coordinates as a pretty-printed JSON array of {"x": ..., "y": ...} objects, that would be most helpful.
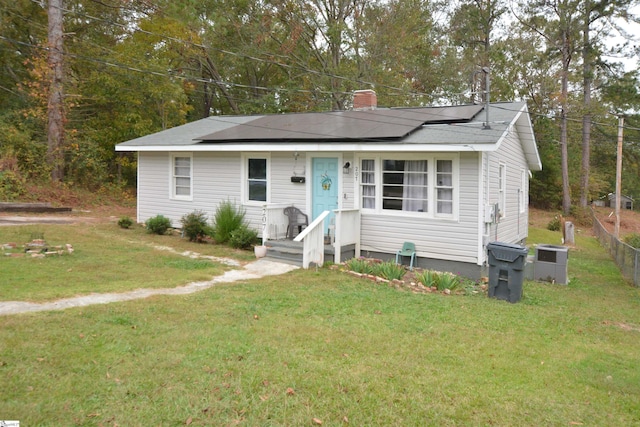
[
  {"x": 486, "y": 72},
  {"x": 487, "y": 92}
]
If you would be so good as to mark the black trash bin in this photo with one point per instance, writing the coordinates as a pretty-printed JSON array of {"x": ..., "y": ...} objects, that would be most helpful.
[{"x": 506, "y": 270}]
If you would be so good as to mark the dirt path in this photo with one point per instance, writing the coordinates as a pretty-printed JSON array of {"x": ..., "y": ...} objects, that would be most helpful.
[{"x": 253, "y": 270}]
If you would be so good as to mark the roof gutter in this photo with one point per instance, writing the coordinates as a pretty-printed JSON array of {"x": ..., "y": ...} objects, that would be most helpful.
[{"x": 311, "y": 147}]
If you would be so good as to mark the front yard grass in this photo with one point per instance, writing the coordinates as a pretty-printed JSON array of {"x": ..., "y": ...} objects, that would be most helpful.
[
  {"x": 106, "y": 258},
  {"x": 323, "y": 346}
]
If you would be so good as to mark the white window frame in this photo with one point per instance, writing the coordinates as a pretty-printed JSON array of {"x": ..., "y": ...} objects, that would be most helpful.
[
  {"x": 431, "y": 184},
  {"x": 173, "y": 177},
  {"x": 245, "y": 178},
  {"x": 523, "y": 191},
  {"x": 502, "y": 189}
]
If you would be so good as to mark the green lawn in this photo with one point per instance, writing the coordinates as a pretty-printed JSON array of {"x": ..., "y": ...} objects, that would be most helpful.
[
  {"x": 106, "y": 258},
  {"x": 324, "y": 345}
]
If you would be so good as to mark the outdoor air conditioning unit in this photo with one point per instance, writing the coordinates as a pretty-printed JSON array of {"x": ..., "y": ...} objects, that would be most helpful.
[{"x": 551, "y": 264}]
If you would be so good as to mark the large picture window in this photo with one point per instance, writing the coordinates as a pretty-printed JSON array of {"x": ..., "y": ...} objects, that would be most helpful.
[
  {"x": 257, "y": 179},
  {"x": 181, "y": 177},
  {"x": 405, "y": 185},
  {"x": 424, "y": 185}
]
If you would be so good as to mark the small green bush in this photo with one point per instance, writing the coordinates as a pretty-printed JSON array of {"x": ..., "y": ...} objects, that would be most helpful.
[
  {"x": 243, "y": 237},
  {"x": 194, "y": 226},
  {"x": 158, "y": 224},
  {"x": 633, "y": 240},
  {"x": 554, "y": 224},
  {"x": 226, "y": 220},
  {"x": 125, "y": 222},
  {"x": 12, "y": 185},
  {"x": 582, "y": 217}
]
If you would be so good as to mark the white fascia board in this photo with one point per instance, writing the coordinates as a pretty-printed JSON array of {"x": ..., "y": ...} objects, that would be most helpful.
[{"x": 313, "y": 148}]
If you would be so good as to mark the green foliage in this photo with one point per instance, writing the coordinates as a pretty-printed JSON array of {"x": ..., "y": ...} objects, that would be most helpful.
[
  {"x": 448, "y": 280},
  {"x": 158, "y": 224},
  {"x": 545, "y": 191},
  {"x": 389, "y": 270},
  {"x": 226, "y": 220},
  {"x": 194, "y": 226},
  {"x": 243, "y": 237},
  {"x": 427, "y": 277},
  {"x": 441, "y": 280},
  {"x": 20, "y": 141},
  {"x": 12, "y": 186},
  {"x": 633, "y": 240},
  {"x": 125, "y": 222},
  {"x": 359, "y": 265},
  {"x": 87, "y": 164},
  {"x": 582, "y": 216},
  {"x": 554, "y": 224}
]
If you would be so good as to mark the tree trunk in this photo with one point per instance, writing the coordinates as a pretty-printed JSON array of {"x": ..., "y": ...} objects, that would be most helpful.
[
  {"x": 566, "y": 61},
  {"x": 213, "y": 71},
  {"x": 586, "y": 118},
  {"x": 55, "y": 109}
]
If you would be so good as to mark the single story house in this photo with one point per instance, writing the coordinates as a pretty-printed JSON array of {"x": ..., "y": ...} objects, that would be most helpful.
[
  {"x": 449, "y": 179},
  {"x": 626, "y": 202}
]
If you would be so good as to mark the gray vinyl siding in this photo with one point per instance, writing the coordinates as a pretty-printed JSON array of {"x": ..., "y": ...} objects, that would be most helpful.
[
  {"x": 216, "y": 178},
  {"x": 512, "y": 228},
  {"x": 435, "y": 238},
  {"x": 348, "y": 195}
]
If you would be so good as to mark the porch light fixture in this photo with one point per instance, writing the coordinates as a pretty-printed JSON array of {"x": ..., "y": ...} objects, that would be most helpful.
[{"x": 346, "y": 168}]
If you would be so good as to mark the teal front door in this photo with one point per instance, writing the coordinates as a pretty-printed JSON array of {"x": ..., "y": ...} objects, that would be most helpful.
[{"x": 325, "y": 187}]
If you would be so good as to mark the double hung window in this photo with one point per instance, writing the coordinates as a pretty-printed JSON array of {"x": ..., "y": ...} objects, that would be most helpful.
[
  {"x": 444, "y": 186},
  {"x": 181, "y": 176},
  {"x": 502, "y": 189},
  {"x": 426, "y": 185},
  {"x": 368, "y": 184},
  {"x": 257, "y": 179}
]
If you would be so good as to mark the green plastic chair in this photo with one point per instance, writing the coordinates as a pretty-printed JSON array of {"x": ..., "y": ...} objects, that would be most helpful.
[{"x": 408, "y": 249}]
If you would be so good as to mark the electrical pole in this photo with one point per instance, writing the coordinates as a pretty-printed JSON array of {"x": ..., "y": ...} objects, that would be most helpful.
[
  {"x": 616, "y": 232},
  {"x": 55, "y": 108}
]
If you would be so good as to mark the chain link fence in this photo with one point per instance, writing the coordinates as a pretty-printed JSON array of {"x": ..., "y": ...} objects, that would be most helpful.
[{"x": 627, "y": 257}]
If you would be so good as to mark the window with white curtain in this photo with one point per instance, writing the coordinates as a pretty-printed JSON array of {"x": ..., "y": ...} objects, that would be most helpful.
[
  {"x": 444, "y": 186},
  {"x": 368, "y": 183},
  {"x": 426, "y": 185},
  {"x": 181, "y": 176},
  {"x": 405, "y": 185}
]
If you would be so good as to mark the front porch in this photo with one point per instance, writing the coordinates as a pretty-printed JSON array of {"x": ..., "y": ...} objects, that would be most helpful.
[
  {"x": 312, "y": 245},
  {"x": 292, "y": 252}
]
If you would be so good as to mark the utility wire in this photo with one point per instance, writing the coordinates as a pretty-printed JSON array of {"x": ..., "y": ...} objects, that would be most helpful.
[
  {"x": 458, "y": 129},
  {"x": 230, "y": 84}
]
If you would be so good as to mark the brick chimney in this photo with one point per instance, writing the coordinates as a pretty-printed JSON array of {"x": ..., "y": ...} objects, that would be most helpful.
[{"x": 365, "y": 100}]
